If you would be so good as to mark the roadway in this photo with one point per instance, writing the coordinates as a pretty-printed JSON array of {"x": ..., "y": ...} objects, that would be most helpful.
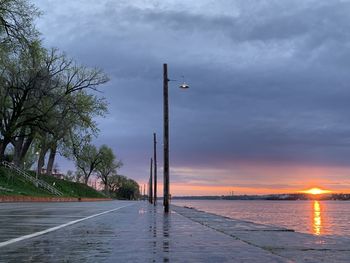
[{"x": 114, "y": 231}]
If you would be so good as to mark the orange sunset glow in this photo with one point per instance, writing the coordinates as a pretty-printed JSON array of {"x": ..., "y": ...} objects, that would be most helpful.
[
  {"x": 179, "y": 189},
  {"x": 316, "y": 191},
  {"x": 257, "y": 178}
]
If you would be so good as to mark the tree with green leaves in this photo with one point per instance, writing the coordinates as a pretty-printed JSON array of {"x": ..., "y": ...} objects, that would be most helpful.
[
  {"x": 86, "y": 157},
  {"x": 107, "y": 166},
  {"x": 122, "y": 187},
  {"x": 45, "y": 97},
  {"x": 19, "y": 93},
  {"x": 74, "y": 115},
  {"x": 16, "y": 21},
  {"x": 40, "y": 86}
]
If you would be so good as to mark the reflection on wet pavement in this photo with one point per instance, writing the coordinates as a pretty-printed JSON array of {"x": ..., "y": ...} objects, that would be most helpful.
[
  {"x": 18, "y": 219},
  {"x": 166, "y": 237},
  {"x": 138, "y": 233}
]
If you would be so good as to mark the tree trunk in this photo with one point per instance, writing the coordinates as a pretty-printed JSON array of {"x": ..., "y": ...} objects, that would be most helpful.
[
  {"x": 2, "y": 150},
  {"x": 43, "y": 150},
  {"x": 51, "y": 160},
  {"x": 25, "y": 148},
  {"x": 41, "y": 160},
  {"x": 3, "y": 145},
  {"x": 106, "y": 187},
  {"x": 17, "y": 145},
  {"x": 86, "y": 179}
]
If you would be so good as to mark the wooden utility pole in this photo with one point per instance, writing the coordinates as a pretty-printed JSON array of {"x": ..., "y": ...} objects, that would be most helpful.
[
  {"x": 166, "y": 138},
  {"x": 155, "y": 167},
  {"x": 150, "y": 183}
]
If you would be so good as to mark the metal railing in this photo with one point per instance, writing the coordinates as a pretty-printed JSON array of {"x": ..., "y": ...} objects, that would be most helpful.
[{"x": 33, "y": 180}]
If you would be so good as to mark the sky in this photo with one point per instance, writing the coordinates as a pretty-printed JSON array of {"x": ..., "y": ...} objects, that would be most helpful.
[{"x": 268, "y": 106}]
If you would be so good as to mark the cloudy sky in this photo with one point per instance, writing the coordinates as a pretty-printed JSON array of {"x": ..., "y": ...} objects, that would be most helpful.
[{"x": 268, "y": 106}]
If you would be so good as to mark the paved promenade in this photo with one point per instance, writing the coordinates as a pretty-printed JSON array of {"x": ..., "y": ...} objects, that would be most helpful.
[
  {"x": 134, "y": 232},
  {"x": 118, "y": 231}
]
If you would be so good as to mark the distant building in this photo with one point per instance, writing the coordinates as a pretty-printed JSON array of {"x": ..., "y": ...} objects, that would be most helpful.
[{"x": 55, "y": 173}]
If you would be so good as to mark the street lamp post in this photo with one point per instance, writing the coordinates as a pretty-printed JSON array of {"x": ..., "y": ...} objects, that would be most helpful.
[
  {"x": 166, "y": 136},
  {"x": 150, "y": 183},
  {"x": 155, "y": 167}
]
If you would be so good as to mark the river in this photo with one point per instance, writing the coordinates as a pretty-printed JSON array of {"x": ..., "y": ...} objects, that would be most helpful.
[{"x": 313, "y": 217}]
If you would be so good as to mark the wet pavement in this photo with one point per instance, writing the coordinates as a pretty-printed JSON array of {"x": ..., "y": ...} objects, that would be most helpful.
[
  {"x": 20, "y": 219},
  {"x": 125, "y": 232}
]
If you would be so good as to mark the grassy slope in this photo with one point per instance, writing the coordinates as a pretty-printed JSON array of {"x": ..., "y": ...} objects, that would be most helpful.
[{"x": 10, "y": 180}]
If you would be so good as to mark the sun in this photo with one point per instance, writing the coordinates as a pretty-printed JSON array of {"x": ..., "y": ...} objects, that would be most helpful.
[{"x": 316, "y": 191}]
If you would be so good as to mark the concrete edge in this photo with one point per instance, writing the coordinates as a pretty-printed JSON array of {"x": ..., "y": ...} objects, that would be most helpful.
[{"x": 15, "y": 199}]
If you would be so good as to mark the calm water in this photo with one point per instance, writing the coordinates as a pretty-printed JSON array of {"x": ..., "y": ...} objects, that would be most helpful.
[{"x": 315, "y": 217}]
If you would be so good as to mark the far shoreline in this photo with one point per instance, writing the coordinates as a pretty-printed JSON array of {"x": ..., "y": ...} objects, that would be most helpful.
[{"x": 271, "y": 197}]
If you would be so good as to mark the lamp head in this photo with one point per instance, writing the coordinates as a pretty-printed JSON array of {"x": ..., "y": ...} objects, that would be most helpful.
[{"x": 184, "y": 86}]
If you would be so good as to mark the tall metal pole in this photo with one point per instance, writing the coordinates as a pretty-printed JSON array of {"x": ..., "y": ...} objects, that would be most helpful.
[
  {"x": 166, "y": 138},
  {"x": 144, "y": 191},
  {"x": 155, "y": 167},
  {"x": 150, "y": 183}
]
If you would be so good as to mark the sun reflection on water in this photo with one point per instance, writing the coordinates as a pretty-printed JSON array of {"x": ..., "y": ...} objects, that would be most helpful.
[{"x": 317, "y": 218}]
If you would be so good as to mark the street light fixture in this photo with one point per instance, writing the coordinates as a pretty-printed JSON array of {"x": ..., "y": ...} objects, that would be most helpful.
[
  {"x": 184, "y": 85},
  {"x": 166, "y": 136}
]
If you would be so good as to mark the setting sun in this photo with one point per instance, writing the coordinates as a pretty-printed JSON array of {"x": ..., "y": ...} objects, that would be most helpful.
[{"x": 316, "y": 191}]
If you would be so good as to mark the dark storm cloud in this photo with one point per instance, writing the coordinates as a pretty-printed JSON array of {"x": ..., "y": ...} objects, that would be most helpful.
[{"x": 269, "y": 80}]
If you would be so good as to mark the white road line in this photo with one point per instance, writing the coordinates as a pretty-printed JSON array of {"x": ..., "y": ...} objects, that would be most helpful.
[
  {"x": 18, "y": 239},
  {"x": 43, "y": 216}
]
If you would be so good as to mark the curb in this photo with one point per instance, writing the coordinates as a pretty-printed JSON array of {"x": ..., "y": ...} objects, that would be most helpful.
[{"x": 13, "y": 199}]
